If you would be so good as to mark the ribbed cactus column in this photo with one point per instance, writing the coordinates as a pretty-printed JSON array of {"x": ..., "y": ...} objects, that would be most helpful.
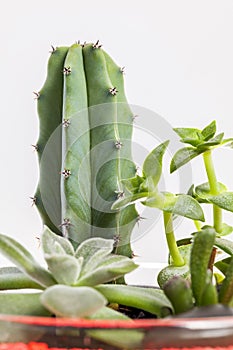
[
  {"x": 50, "y": 106},
  {"x": 87, "y": 146},
  {"x": 76, "y": 181}
]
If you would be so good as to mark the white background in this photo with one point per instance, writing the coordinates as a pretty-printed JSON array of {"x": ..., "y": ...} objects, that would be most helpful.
[{"x": 179, "y": 63}]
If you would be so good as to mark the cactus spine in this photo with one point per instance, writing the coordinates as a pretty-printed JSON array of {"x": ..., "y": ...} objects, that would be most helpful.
[{"x": 85, "y": 147}]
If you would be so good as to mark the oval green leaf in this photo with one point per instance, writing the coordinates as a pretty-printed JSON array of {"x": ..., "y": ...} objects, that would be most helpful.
[
  {"x": 124, "y": 202},
  {"x": 65, "y": 301},
  {"x": 183, "y": 156},
  {"x": 64, "y": 268},
  {"x": 152, "y": 166},
  {"x": 203, "y": 190}
]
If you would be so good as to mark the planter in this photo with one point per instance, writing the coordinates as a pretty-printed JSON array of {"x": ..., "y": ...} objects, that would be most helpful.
[{"x": 36, "y": 333}]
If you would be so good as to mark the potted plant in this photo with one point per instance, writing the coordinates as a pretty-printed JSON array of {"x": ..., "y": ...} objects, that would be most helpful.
[{"x": 86, "y": 197}]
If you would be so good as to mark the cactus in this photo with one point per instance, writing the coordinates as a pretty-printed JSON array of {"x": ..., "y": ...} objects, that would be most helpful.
[{"x": 84, "y": 147}]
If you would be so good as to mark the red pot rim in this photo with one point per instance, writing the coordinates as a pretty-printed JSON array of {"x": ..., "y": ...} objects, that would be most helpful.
[{"x": 193, "y": 323}]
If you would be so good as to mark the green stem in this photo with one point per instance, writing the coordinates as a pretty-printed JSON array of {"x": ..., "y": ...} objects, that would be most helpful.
[
  {"x": 171, "y": 241},
  {"x": 198, "y": 225},
  {"x": 213, "y": 183},
  {"x": 217, "y": 213}
]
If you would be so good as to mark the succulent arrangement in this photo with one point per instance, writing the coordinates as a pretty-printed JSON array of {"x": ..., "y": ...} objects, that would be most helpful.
[
  {"x": 86, "y": 197},
  {"x": 197, "y": 274}
]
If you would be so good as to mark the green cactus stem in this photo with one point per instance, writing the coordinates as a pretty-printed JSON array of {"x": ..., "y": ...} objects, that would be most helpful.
[{"x": 85, "y": 147}]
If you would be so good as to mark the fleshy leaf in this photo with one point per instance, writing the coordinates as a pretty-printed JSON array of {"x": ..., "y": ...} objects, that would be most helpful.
[
  {"x": 113, "y": 267},
  {"x": 68, "y": 301},
  {"x": 147, "y": 299},
  {"x": 12, "y": 278},
  {"x": 64, "y": 268},
  {"x": 192, "y": 142},
  {"x": 51, "y": 240},
  {"x": 225, "y": 245},
  {"x": 224, "y": 200},
  {"x": 124, "y": 202},
  {"x": 183, "y": 205},
  {"x": 227, "y": 142},
  {"x": 222, "y": 265},
  {"x": 133, "y": 184},
  {"x": 226, "y": 230},
  {"x": 209, "y": 295},
  {"x": 178, "y": 285},
  {"x": 189, "y": 133},
  {"x": 120, "y": 338},
  {"x": 199, "y": 262},
  {"x": 226, "y": 289},
  {"x": 183, "y": 156},
  {"x": 217, "y": 140},
  {"x": 22, "y": 304},
  {"x": 21, "y": 257},
  {"x": 152, "y": 166},
  {"x": 147, "y": 185},
  {"x": 203, "y": 190},
  {"x": 209, "y": 131},
  {"x": 191, "y": 192},
  {"x": 93, "y": 251},
  {"x": 170, "y": 271},
  {"x": 184, "y": 250}
]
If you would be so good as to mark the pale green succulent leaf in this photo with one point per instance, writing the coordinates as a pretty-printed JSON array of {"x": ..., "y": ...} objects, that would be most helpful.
[
  {"x": 93, "y": 251},
  {"x": 203, "y": 190},
  {"x": 228, "y": 142},
  {"x": 13, "y": 278},
  {"x": 64, "y": 268},
  {"x": 133, "y": 184},
  {"x": 209, "y": 131},
  {"x": 185, "y": 251},
  {"x": 216, "y": 141},
  {"x": 112, "y": 268},
  {"x": 148, "y": 299},
  {"x": 226, "y": 289},
  {"x": 182, "y": 157},
  {"x": 189, "y": 133},
  {"x": 125, "y": 201},
  {"x": 192, "y": 142},
  {"x": 22, "y": 304},
  {"x": 224, "y": 200},
  {"x": 21, "y": 257},
  {"x": 52, "y": 243},
  {"x": 66, "y": 301},
  {"x": 226, "y": 230},
  {"x": 168, "y": 272},
  {"x": 225, "y": 245},
  {"x": 152, "y": 166},
  {"x": 120, "y": 338},
  {"x": 183, "y": 205}
]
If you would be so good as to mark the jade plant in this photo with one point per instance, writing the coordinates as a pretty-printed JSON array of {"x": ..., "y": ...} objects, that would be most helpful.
[{"x": 197, "y": 274}]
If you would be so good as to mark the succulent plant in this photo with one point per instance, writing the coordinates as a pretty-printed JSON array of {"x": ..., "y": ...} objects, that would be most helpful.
[
  {"x": 72, "y": 287},
  {"x": 75, "y": 284},
  {"x": 86, "y": 197},
  {"x": 194, "y": 277},
  {"x": 84, "y": 147}
]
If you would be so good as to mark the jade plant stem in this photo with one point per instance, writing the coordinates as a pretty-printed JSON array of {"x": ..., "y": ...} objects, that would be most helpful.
[
  {"x": 171, "y": 241},
  {"x": 198, "y": 225},
  {"x": 209, "y": 166}
]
